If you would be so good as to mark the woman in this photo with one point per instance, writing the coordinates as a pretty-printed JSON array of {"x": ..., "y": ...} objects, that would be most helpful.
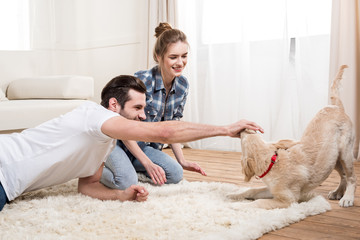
[{"x": 166, "y": 96}]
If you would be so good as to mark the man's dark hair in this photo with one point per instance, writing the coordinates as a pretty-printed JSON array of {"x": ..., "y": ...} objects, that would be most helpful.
[{"x": 119, "y": 87}]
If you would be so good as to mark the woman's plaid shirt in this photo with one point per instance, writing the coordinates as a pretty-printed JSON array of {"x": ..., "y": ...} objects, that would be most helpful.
[{"x": 160, "y": 107}]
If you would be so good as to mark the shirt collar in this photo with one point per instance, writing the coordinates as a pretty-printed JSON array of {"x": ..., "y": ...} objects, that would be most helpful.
[{"x": 159, "y": 84}]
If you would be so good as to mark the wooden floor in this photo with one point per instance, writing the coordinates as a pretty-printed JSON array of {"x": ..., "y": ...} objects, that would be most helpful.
[{"x": 338, "y": 223}]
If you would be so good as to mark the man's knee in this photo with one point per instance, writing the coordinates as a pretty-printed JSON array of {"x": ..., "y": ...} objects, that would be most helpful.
[
  {"x": 175, "y": 176},
  {"x": 123, "y": 183},
  {"x": 120, "y": 180}
]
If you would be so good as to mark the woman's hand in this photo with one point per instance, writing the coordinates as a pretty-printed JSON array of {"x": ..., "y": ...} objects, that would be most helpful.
[
  {"x": 156, "y": 173},
  {"x": 194, "y": 167}
]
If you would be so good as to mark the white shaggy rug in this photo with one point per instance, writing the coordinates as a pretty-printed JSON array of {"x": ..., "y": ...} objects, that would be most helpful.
[{"x": 189, "y": 210}]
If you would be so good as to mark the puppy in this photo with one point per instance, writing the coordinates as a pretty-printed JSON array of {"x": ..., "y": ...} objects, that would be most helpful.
[{"x": 292, "y": 169}]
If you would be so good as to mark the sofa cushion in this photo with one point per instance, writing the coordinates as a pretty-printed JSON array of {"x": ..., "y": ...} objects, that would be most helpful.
[
  {"x": 2, "y": 96},
  {"x": 51, "y": 87},
  {"x": 21, "y": 114}
]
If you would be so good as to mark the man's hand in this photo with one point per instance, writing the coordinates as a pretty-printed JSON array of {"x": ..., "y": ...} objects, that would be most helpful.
[
  {"x": 191, "y": 166},
  {"x": 156, "y": 173},
  {"x": 236, "y": 128},
  {"x": 135, "y": 192}
]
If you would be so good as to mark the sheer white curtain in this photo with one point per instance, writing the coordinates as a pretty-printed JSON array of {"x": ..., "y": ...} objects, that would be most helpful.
[
  {"x": 159, "y": 11},
  {"x": 266, "y": 61},
  {"x": 14, "y": 25},
  {"x": 345, "y": 49}
]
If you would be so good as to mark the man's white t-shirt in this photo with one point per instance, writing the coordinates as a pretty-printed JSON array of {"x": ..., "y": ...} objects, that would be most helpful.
[{"x": 70, "y": 146}]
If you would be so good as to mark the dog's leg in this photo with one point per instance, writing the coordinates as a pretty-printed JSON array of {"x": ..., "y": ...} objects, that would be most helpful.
[
  {"x": 307, "y": 196},
  {"x": 282, "y": 199},
  {"x": 269, "y": 203},
  {"x": 347, "y": 163},
  {"x": 253, "y": 193},
  {"x": 338, "y": 193}
]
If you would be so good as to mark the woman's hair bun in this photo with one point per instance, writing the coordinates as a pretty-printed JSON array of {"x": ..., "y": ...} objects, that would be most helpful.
[
  {"x": 166, "y": 35},
  {"x": 163, "y": 26}
]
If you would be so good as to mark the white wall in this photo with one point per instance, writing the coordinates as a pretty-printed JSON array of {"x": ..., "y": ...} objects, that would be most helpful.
[{"x": 98, "y": 38}]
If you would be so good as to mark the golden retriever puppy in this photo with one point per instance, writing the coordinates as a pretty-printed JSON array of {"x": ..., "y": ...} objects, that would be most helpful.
[{"x": 292, "y": 169}]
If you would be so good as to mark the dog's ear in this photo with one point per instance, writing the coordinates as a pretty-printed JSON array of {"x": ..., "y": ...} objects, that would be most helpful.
[
  {"x": 246, "y": 131},
  {"x": 250, "y": 131},
  {"x": 248, "y": 168}
]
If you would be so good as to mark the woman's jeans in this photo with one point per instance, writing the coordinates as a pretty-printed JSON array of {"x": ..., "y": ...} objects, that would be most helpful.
[
  {"x": 121, "y": 167},
  {"x": 3, "y": 198}
]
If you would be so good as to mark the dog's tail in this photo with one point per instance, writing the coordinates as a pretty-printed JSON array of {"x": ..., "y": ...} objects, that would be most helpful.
[
  {"x": 335, "y": 97},
  {"x": 334, "y": 89}
]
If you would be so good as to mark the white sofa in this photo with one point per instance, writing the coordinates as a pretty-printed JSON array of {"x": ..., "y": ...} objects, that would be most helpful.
[{"x": 29, "y": 102}]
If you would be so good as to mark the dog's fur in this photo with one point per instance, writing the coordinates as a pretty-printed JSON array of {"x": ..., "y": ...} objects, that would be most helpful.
[{"x": 301, "y": 166}]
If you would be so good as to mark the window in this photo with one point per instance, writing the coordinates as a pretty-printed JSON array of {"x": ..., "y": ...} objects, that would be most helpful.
[
  {"x": 296, "y": 18},
  {"x": 14, "y": 25},
  {"x": 268, "y": 60}
]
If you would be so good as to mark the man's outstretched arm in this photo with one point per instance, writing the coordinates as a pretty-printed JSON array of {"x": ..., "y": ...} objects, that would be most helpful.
[{"x": 171, "y": 131}]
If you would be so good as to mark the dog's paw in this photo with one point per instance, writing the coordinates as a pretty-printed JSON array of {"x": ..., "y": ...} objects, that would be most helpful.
[
  {"x": 346, "y": 202},
  {"x": 335, "y": 195}
]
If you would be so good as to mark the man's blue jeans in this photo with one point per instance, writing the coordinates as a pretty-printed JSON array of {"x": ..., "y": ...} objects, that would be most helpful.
[
  {"x": 121, "y": 167},
  {"x": 3, "y": 198}
]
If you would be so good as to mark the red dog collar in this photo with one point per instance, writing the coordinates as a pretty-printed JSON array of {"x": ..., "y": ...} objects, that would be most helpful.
[{"x": 273, "y": 161}]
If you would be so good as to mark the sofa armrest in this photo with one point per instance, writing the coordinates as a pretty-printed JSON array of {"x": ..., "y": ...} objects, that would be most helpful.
[
  {"x": 51, "y": 87},
  {"x": 2, "y": 96}
]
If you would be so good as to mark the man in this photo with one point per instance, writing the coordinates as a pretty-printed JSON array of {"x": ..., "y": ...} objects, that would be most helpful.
[{"x": 75, "y": 145}]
